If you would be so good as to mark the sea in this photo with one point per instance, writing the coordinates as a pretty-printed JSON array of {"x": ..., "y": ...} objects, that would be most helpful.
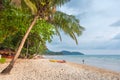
[{"x": 109, "y": 62}]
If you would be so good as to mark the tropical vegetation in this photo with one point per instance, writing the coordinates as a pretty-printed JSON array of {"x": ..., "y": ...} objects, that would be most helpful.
[
  {"x": 2, "y": 60},
  {"x": 27, "y": 24}
]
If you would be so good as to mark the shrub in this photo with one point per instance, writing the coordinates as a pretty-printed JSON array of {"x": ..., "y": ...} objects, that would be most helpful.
[{"x": 2, "y": 60}]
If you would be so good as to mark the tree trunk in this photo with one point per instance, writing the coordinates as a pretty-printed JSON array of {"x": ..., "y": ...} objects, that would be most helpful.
[
  {"x": 1, "y": 5},
  {"x": 26, "y": 56},
  {"x": 37, "y": 50},
  {"x": 10, "y": 66}
]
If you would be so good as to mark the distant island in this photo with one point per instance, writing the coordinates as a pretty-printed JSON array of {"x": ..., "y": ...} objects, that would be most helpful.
[{"x": 48, "y": 52}]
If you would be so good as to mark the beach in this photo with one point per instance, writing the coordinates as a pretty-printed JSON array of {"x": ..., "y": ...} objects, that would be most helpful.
[
  {"x": 109, "y": 62},
  {"x": 43, "y": 69}
]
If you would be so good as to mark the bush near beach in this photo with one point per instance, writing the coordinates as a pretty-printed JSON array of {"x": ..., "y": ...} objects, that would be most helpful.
[{"x": 2, "y": 60}]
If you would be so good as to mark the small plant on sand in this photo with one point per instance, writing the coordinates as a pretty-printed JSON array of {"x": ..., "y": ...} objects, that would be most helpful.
[{"x": 2, "y": 60}]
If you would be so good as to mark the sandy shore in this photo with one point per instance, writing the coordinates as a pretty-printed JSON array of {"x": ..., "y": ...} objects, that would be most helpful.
[{"x": 42, "y": 69}]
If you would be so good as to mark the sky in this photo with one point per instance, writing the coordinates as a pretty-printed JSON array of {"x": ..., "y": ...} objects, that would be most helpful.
[{"x": 101, "y": 20}]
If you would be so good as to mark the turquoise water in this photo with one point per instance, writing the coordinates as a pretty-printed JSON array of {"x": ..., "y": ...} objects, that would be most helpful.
[{"x": 110, "y": 62}]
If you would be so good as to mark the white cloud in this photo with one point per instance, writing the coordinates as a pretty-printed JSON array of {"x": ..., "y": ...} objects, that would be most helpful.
[
  {"x": 70, "y": 11},
  {"x": 116, "y": 24},
  {"x": 96, "y": 16}
]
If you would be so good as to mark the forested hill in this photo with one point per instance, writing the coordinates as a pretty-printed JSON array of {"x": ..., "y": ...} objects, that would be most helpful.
[{"x": 48, "y": 52}]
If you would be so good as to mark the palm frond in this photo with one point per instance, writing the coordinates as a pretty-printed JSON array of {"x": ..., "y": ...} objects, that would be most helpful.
[
  {"x": 58, "y": 2},
  {"x": 31, "y": 6},
  {"x": 68, "y": 24},
  {"x": 58, "y": 33}
]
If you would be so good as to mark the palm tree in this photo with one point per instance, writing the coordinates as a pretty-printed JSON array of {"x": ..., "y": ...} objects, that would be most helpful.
[
  {"x": 46, "y": 9},
  {"x": 68, "y": 24}
]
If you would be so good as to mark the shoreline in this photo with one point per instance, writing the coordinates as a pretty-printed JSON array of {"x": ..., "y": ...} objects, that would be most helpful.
[
  {"x": 108, "y": 62},
  {"x": 43, "y": 69},
  {"x": 93, "y": 68}
]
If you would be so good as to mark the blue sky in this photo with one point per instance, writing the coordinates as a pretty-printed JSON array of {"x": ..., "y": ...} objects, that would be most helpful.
[{"x": 101, "y": 19}]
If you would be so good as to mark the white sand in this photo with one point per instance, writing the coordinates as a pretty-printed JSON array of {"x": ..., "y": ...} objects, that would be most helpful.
[{"x": 42, "y": 69}]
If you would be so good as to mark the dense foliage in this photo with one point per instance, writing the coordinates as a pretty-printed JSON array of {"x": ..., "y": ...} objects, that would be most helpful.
[
  {"x": 17, "y": 15},
  {"x": 13, "y": 25},
  {"x": 40, "y": 16}
]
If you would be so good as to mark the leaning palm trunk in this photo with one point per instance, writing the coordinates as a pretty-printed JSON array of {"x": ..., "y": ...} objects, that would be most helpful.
[{"x": 10, "y": 66}]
